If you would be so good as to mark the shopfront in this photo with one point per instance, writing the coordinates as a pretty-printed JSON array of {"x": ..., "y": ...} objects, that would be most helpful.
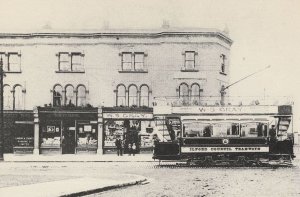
[
  {"x": 68, "y": 131},
  {"x": 132, "y": 125},
  {"x": 18, "y": 132}
]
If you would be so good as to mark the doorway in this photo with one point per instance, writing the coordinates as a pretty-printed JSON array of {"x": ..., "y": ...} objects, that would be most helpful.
[{"x": 68, "y": 143}]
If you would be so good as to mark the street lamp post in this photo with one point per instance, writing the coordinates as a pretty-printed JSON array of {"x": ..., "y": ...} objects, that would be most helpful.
[{"x": 1, "y": 108}]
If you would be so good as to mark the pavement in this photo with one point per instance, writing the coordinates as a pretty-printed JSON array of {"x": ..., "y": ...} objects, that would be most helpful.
[
  {"x": 70, "y": 187},
  {"x": 77, "y": 158}
]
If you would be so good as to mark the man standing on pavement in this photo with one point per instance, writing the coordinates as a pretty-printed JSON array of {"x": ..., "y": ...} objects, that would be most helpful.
[{"x": 119, "y": 146}]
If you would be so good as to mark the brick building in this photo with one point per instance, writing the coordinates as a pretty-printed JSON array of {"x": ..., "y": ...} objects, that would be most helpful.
[{"x": 74, "y": 91}]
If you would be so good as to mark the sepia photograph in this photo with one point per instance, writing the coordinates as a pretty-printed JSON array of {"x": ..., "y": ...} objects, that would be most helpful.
[{"x": 149, "y": 98}]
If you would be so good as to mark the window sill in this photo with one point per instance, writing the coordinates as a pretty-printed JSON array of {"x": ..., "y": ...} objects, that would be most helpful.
[
  {"x": 15, "y": 72},
  {"x": 66, "y": 71},
  {"x": 189, "y": 70},
  {"x": 222, "y": 73},
  {"x": 133, "y": 71}
]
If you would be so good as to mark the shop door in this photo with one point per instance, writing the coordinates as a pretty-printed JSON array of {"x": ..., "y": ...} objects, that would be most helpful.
[{"x": 68, "y": 146}]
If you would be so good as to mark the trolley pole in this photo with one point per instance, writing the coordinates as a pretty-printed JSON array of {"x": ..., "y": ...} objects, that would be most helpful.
[{"x": 1, "y": 108}]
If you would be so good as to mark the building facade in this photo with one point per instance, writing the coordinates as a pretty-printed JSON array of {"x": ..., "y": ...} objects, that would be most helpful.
[{"x": 94, "y": 84}]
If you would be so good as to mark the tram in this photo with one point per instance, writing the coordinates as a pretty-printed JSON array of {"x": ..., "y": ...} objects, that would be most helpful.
[{"x": 258, "y": 135}]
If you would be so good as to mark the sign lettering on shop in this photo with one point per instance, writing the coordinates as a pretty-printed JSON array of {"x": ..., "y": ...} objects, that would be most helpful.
[
  {"x": 226, "y": 110},
  {"x": 127, "y": 116},
  {"x": 223, "y": 149}
]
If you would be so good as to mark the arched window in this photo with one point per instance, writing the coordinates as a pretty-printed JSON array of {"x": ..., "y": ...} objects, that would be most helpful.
[
  {"x": 57, "y": 95},
  {"x": 7, "y": 97},
  {"x": 184, "y": 92},
  {"x": 144, "y": 96},
  {"x": 70, "y": 96},
  {"x": 18, "y": 98},
  {"x": 195, "y": 94},
  {"x": 121, "y": 95},
  {"x": 81, "y": 95},
  {"x": 132, "y": 95}
]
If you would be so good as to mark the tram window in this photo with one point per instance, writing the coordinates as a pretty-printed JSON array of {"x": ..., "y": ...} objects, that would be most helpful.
[
  {"x": 253, "y": 129},
  {"x": 235, "y": 129},
  {"x": 196, "y": 129},
  {"x": 225, "y": 129}
]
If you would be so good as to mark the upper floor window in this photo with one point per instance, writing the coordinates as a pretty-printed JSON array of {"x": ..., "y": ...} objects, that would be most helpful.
[
  {"x": 81, "y": 95},
  {"x": 223, "y": 63},
  {"x": 189, "y": 63},
  {"x": 132, "y": 95},
  {"x": 11, "y": 61},
  {"x": 70, "y": 96},
  {"x": 7, "y": 98},
  {"x": 195, "y": 94},
  {"x": 13, "y": 99},
  {"x": 121, "y": 95},
  {"x": 57, "y": 95},
  {"x": 139, "y": 61},
  {"x": 127, "y": 61},
  {"x": 70, "y": 62},
  {"x": 184, "y": 92},
  {"x": 18, "y": 98},
  {"x": 144, "y": 96},
  {"x": 133, "y": 62}
]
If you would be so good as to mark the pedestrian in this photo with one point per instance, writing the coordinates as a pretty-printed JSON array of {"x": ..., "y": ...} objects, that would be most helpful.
[
  {"x": 129, "y": 149},
  {"x": 119, "y": 146},
  {"x": 133, "y": 149}
]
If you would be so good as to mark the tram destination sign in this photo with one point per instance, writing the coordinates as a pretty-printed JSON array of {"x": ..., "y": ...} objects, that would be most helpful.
[
  {"x": 251, "y": 149},
  {"x": 226, "y": 110}
]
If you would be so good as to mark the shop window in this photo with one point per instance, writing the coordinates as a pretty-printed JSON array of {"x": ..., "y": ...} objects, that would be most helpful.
[
  {"x": 132, "y": 96},
  {"x": 51, "y": 134},
  {"x": 127, "y": 61},
  {"x": 195, "y": 94},
  {"x": 57, "y": 95},
  {"x": 18, "y": 98},
  {"x": 138, "y": 61},
  {"x": 11, "y": 61},
  {"x": 130, "y": 132},
  {"x": 223, "y": 64},
  {"x": 23, "y": 135},
  {"x": 144, "y": 96},
  {"x": 184, "y": 93},
  {"x": 86, "y": 135},
  {"x": 121, "y": 95},
  {"x": 7, "y": 98},
  {"x": 189, "y": 60},
  {"x": 70, "y": 62},
  {"x": 81, "y": 95},
  {"x": 70, "y": 95}
]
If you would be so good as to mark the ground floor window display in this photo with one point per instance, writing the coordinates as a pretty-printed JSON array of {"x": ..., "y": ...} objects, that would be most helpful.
[
  {"x": 132, "y": 133},
  {"x": 50, "y": 136},
  {"x": 86, "y": 137}
]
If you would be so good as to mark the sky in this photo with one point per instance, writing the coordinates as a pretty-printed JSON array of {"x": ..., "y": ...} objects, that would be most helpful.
[{"x": 265, "y": 32}]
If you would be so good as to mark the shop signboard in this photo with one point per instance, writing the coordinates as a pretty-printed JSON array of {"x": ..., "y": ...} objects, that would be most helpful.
[
  {"x": 24, "y": 141},
  {"x": 226, "y": 110},
  {"x": 137, "y": 116}
]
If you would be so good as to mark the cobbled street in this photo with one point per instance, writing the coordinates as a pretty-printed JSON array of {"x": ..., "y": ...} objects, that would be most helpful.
[{"x": 163, "y": 181}]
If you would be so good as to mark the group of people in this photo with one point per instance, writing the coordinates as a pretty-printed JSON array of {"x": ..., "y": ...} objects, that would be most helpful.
[{"x": 131, "y": 149}]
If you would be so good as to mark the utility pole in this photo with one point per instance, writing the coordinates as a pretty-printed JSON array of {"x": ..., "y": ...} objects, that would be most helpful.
[{"x": 1, "y": 108}]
